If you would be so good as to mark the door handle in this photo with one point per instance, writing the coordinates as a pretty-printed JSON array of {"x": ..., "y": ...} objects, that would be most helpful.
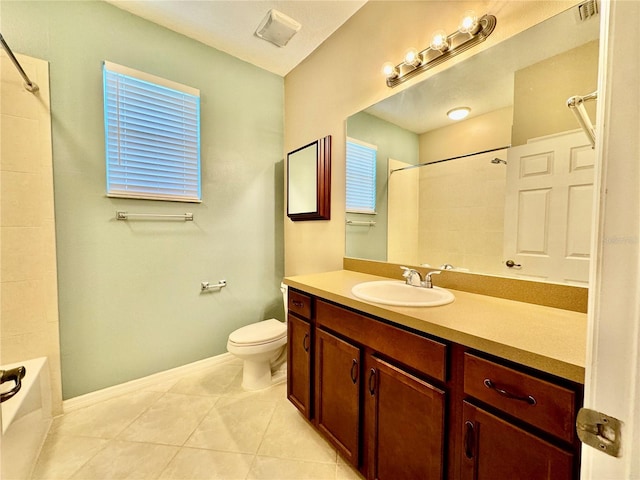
[
  {"x": 305, "y": 344},
  {"x": 512, "y": 264},
  {"x": 13, "y": 375},
  {"x": 372, "y": 382},
  {"x": 469, "y": 439},
  {"x": 505, "y": 393},
  {"x": 354, "y": 371}
]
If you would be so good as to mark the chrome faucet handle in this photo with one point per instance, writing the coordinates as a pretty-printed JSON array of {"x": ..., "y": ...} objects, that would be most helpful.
[
  {"x": 428, "y": 283},
  {"x": 408, "y": 274}
]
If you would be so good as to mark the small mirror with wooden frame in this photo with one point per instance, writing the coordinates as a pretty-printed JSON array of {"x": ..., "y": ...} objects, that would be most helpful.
[{"x": 309, "y": 181}]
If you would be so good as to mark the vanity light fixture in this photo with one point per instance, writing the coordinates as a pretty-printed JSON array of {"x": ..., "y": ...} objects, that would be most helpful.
[
  {"x": 439, "y": 41},
  {"x": 458, "y": 113},
  {"x": 412, "y": 58},
  {"x": 471, "y": 31}
]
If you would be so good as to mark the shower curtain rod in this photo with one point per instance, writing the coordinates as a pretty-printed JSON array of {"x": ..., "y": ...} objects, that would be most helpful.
[
  {"x": 576, "y": 104},
  {"x": 28, "y": 84},
  {"x": 447, "y": 159}
]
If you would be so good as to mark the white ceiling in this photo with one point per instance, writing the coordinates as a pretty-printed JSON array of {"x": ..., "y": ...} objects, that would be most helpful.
[{"x": 230, "y": 25}]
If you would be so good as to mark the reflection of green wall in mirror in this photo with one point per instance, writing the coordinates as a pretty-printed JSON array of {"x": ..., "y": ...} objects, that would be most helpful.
[
  {"x": 541, "y": 92},
  {"x": 392, "y": 142},
  {"x": 303, "y": 180}
]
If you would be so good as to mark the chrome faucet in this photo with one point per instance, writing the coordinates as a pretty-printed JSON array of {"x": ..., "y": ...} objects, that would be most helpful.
[
  {"x": 427, "y": 280},
  {"x": 409, "y": 274}
]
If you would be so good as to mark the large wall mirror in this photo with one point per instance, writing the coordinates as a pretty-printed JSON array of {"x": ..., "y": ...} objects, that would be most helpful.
[
  {"x": 524, "y": 208},
  {"x": 309, "y": 181}
]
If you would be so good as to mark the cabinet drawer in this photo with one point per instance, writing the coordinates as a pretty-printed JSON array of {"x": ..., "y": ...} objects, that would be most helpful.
[
  {"x": 545, "y": 405},
  {"x": 299, "y": 303},
  {"x": 425, "y": 355}
]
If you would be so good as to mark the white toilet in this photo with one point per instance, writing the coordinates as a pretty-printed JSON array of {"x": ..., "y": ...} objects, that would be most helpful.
[{"x": 263, "y": 348}]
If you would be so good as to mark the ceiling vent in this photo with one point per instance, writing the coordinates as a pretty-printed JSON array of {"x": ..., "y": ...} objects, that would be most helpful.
[
  {"x": 587, "y": 9},
  {"x": 277, "y": 28}
]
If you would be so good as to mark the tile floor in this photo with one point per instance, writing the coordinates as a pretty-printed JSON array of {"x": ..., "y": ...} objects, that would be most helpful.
[{"x": 203, "y": 426}]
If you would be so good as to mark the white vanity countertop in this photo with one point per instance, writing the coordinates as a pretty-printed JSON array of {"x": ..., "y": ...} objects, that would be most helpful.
[{"x": 544, "y": 338}]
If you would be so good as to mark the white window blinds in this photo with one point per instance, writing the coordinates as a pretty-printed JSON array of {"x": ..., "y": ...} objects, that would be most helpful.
[
  {"x": 152, "y": 136},
  {"x": 361, "y": 177}
]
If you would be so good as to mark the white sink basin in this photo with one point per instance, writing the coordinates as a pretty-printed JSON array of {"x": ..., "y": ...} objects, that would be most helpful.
[{"x": 399, "y": 294}]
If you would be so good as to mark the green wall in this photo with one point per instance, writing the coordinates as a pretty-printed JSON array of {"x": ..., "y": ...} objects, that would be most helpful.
[
  {"x": 129, "y": 292},
  {"x": 392, "y": 142}
]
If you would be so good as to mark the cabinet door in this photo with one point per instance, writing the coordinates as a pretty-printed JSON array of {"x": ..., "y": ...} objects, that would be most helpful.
[
  {"x": 494, "y": 448},
  {"x": 405, "y": 424},
  {"x": 299, "y": 364},
  {"x": 338, "y": 393}
]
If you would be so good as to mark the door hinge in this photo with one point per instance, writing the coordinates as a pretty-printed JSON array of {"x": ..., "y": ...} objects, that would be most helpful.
[{"x": 599, "y": 431}]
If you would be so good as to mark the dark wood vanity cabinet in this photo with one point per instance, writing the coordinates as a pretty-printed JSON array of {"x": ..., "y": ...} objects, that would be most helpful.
[
  {"x": 337, "y": 393},
  {"x": 405, "y": 423},
  {"x": 401, "y": 405},
  {"x": 531, "y": 432},
  {"x": 496, "y": 448},
  {"x": 300, "y": 353}
]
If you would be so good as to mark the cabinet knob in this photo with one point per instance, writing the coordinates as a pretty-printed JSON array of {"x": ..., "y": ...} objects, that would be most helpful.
[{"x": 305, "y": 342}]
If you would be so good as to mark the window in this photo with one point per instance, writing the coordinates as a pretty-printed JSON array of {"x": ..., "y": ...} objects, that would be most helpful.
[
  {"x": 361, "y": 176},
  {"x": 152, "y": 136}
]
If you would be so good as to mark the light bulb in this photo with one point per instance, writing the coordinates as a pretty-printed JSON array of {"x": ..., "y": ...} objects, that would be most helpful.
[
  {"x": 412, "y": 57},
  {"x": 458, "y": 113},
  {"x": 469, "y": 23},
  {"x": 439, "y": 41},
  {"x": 389, "y": 70}
]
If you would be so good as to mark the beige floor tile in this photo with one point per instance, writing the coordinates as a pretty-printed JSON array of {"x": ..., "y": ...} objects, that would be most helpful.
[
  {"x": 61, "y": 456},
  {"x": 105, "y": 419},
  {"x": 194, "y": 464},
  {"x": 127, "y": 460},
  {"x": 269, "y": 468},
  {"x": 273, "y": 393},
  {"x": 163, "y": 387},
  {"x": 170, "y": 420},
  {"x": 213, "y": 381},
  {"x": 235, "y": 424},
  {"x": 290, "y": 436},
  {"x": 347, "y": 472}
]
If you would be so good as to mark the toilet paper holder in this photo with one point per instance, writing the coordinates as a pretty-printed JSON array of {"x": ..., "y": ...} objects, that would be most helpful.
[{"x": 207, "y": 287}]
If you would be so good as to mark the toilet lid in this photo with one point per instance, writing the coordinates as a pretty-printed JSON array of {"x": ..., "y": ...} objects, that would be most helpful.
[{"x": 260, "y": 332}]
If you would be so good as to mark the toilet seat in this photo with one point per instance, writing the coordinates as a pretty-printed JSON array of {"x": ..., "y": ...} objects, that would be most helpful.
[{"x": 260, "y": 333}]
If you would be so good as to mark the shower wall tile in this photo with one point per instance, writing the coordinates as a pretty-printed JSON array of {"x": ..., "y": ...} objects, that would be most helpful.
[
  {"x": 23, "y": 195},
  {"x": 28, "y": 273},
  {"x": 19, "y": 151}
]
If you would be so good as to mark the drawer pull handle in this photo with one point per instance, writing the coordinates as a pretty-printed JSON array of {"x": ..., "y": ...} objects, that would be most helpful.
[
  {"x": 469, "y": 439},
  {"x": 528, "y": 399},
  {"x": 305, "y": 344},
  {"x": 297, "y": 303},
  {"x": 372, "y": 382},
  {"x": 354, "y": 371}
]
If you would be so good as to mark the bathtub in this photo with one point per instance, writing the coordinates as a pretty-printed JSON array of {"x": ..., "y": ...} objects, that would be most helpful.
[{"x": 26, "y": 418}]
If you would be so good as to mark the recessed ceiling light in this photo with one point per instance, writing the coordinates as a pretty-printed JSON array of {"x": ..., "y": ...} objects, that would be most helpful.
[
  {"x": 277, "y": 28},
  {"x": 458, "y": 113}
]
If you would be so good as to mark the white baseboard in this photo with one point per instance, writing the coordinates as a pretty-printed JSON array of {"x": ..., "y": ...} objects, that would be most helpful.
[{"x": 144, "y": 382}]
